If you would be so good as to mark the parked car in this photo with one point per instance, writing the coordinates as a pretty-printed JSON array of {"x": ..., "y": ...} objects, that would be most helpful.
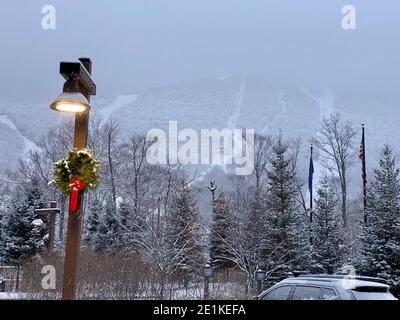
[{"x": 328, "y": 287}]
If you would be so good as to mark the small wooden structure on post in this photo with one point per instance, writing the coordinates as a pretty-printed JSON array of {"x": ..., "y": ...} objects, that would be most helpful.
[
  {"x": 52, "y": 211},
  {"x": 212, "y": 188},
  {"x": 208, "y": 272}
]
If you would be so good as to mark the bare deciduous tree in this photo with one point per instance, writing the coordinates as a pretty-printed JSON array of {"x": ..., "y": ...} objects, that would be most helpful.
[
  {"x": 110, "y": 131},
  {"x": 262, "y": 146},
  {"x": 334, "y": 144}
]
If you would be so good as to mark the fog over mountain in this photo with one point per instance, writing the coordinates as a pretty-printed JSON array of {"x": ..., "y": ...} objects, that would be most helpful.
[{"x": 139, "y": 44}]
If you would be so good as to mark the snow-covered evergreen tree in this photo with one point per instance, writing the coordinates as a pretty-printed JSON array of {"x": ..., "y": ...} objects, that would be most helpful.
[
  {"x": 250, "y": 243},
  {"x": 109, "y": 233},
  {"x": 221, "y": 227},
  {"x": 21, "y": 239},
  {"x": 289, "y": 227},
  {"x": 381, "y": 236},
  {"x": 124, "y": 213},
  {"x": 327, "y": 233},
  {"x": 92, "y": 223},
  {"x": 130, "y": 226},
  {"x": 184, "y": 233}
]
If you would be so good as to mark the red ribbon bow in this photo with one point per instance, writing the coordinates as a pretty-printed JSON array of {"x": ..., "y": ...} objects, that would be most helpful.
[{"x": 76, "y": 187}]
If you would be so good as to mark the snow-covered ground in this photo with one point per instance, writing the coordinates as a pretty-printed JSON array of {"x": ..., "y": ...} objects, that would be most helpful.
[
  {"x": 15, "y": 296},
  {"x": 228, "y": 290}
]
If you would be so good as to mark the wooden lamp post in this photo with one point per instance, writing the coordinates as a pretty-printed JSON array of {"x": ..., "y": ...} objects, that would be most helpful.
[{"x": 75, "y": 99}]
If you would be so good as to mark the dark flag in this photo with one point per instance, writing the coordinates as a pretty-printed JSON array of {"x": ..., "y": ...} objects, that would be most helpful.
[
  {"x": 363, "y": 170},
  {"x": 362, "y": 158},
  {"x": 310, "y": 175},
  {"x": 310, "y": 181}
]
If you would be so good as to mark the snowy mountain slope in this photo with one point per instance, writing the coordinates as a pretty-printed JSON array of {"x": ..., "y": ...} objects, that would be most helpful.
[
  {"x": 22, "y": 124},
  {"x": 231, "y": 101},
  {"x": 28, "y": 144},
  {"x": 111, "y": 109},
  {"x": 11, "y": 146}
]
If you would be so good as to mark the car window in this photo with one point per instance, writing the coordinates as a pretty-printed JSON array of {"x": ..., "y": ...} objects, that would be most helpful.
[
  {"x": 306, "y": 293},
  {"x": 373, "y": 295},
  {"x": 328, "y": 294},
  {"x": 280, "y": 293}
]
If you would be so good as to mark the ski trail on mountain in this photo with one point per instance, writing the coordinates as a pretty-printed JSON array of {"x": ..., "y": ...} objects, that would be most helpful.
[
  {"x": 119, "y": 102},
  {"x": 232, "y": 122},
  {"x": 29, "y": 144},
  {"x": 280, "y": 114},
  {"x": 325, "y": 103},
  {"x": 231, "y": 125}
]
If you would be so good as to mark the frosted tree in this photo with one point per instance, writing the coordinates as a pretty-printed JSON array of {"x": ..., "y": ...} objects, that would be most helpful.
[
  {"x": 334, "y": 145},
  {"x": 249, "y": 237},
  {"x": 220, "y": 227},
  {"x": 184, "y": 233},
  {"x": 92, "y": 221},
  {"x": 111, "y": 159},
  {"x": 167, "y": 233},
  {"x": 262, "y": 148},
  {"x": 124, "y": 213},
  {"x": 328, "y": 248},
  {"x": 136, "y": 176},
  {"x": 381, "y": 235},
  {"x": 288, "y": 224},
  {"x": 109, "y": 232},
  {"x": 21, "y": 239},
  {"x": 130, "y": 225},
  {"x": 265, "y": 215}
]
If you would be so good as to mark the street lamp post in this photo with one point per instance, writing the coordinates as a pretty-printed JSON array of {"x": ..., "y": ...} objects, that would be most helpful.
[
  {"x": 208, "y": 273},
  {"x": 260, "y": 277},
  {"x": 75, "y": 98}
]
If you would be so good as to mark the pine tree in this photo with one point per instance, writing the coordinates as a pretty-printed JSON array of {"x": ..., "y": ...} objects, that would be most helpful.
[
  {"x": 184, "y": 234},
  {"x": 125, "y": 213},
  {"x": 92, "y": 223},
  {"x": 130, "y": 227},
  {"x": 22, "y": 240},
  {"x": 250, "y": 238},
  {"x": 328, "y": 246},
  {"x": 289, "y": 227},
  {"x": 381, "y": 234},
  {"x": 108, "y": 235},
  {"x": 221, "y": 226}
]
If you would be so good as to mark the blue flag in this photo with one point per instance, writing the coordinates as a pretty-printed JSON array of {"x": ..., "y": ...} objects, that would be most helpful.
[{"x": 310, "y": 175}]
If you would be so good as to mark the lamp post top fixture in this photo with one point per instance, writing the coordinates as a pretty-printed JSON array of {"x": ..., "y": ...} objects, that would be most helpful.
[
  {"x": 70, "y": 102},
  {"x": 78, "y": 81}
]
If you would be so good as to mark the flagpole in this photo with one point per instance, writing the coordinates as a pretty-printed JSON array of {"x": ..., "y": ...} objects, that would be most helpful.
[
  {"x": 364, "y": 174},
  {"x": 311, "y": 193}
]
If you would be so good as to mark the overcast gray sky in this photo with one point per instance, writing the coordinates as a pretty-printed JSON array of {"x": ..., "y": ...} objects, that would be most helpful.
[{"x": 138, "y": 44}]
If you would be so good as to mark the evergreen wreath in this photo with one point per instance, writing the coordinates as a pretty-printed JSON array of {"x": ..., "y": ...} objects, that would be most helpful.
[{"x": 79, "y": 165}]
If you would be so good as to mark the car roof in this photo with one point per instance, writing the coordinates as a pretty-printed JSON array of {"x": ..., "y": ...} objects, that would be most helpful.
[
  {"x": 334, "y": 280},
  {"x": 341, "y": 276},
  {"x": 309, "y": 281}
]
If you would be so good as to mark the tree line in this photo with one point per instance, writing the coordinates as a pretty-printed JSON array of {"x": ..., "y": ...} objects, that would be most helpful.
[{"x": 260, "y": 222}]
